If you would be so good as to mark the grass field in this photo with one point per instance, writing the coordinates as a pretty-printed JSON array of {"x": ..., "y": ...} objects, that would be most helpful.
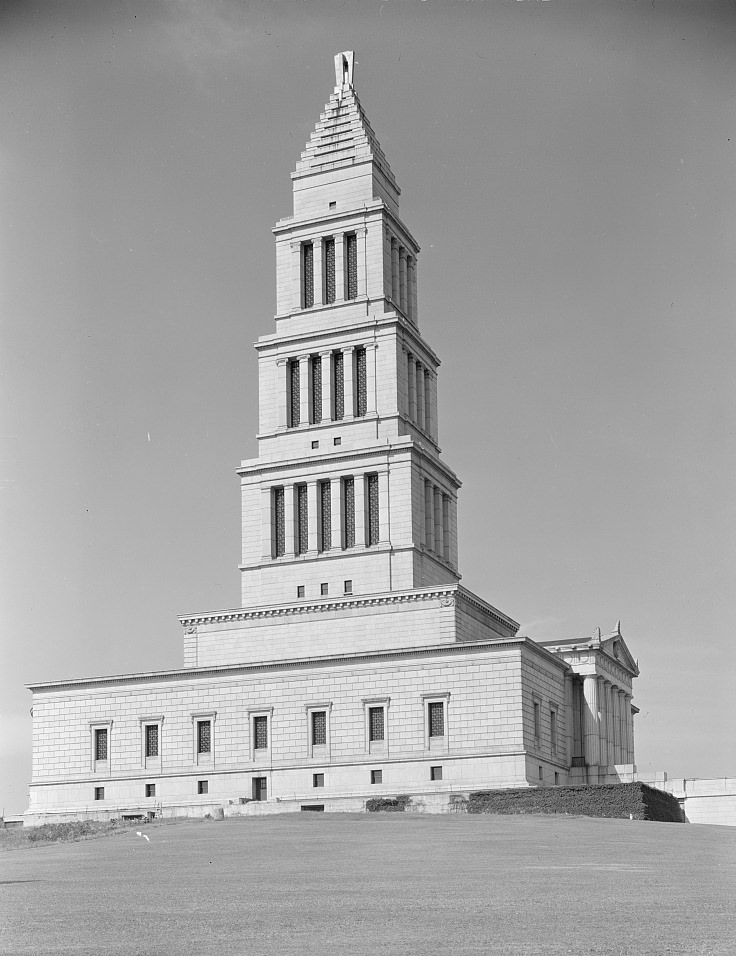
[{"x": 385, "y": 884}]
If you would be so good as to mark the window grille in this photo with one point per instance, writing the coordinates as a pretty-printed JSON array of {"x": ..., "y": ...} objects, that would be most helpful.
[
  {"x": 316, "y": 389},
  {"x": 101, "y": 744},
  {"x": 152, "y": 740},
  {"x": 338, "y": 363},
  {"x": 279, "y": 523},
  {"x": 436, "y": 719},
  {"x": 351, "y": 260},
  {"x": 302, "y": 520},
  {"x": 307, "y": 275},
  {"x": 204, "y": 736},
  {"x": 329, "y": 270},
  {"x": 375, "y": 723},
  {"x": 348, "y": 494},
  {"x": 373, "y": 517},
  {"x": 260, "y": 733},
  {"x": 294, "y": 393},
  {"x": 319, "y": 728},
  {"x": 325, "y": 516},
  {"x": 361, "y": 405}
]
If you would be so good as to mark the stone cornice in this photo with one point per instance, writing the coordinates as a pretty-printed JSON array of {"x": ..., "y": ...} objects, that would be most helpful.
[{"x": 482, "y": 605}]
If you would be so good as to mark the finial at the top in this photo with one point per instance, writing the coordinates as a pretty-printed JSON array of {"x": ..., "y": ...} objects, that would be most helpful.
[{"x": 344, "y": 68}]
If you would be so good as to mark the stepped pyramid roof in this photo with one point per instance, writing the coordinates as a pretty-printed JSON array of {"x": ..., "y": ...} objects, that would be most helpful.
[{"x": 343, "y": 136}]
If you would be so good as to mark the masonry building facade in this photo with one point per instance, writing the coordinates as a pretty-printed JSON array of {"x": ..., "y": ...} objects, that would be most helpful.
[{"x": 357, "y": 665}]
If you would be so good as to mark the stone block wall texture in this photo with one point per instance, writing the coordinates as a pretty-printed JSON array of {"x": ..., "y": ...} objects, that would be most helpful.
[{"x": 624, "y": 800}]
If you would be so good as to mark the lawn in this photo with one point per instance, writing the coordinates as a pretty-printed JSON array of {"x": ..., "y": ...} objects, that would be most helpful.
[{"x": 352, "y": 885}]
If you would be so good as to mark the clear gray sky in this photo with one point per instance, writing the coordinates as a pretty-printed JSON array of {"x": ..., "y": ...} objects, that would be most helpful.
[{"x": 568, "y": 169}]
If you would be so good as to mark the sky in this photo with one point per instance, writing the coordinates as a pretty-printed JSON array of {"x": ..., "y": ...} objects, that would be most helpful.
[{"x": 567, "y": 169}]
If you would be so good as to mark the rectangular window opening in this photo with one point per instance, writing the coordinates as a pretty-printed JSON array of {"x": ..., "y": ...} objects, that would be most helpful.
[
  {"x": 204, "y": 736},
  {"x": 319, "y": 728},
  {"x": 302, "y": 519},
  {"x": 376, "y": 776},
  {"x": 338, "y": 376},
  {"x": 260, "y": 788},
  {"x": 307, "y": 275},
  {"x": 101, "y": 743},
  {"x": 537, "y": 728},
  {"x": 99, "y": 793},
  {"x": 318, "y": 780},
  {"x": 361, "y": 383},
  {"x": 329, "y": 267},
  {"x": 152, "y": 740},
  {"x": 150, "y": 789},
  {"x": 337, "y": 441},
  {"x": 553, "y": 730},
  {"x": 324, "y": 589},
  {"x": 436, "y": 715},
  {"x": 260, "y": 732},
  {"x": 316, "y": 410},
  {"x": 300, "y": 590},
  {"x": 435, "y": 773},
  {"x": 348, "y": 587},
  {"x": 348, "y": 505},
  {"x": 376, "y": 728},
  {"x": 294, "y": 396},
  {"x": 351, "y": 266},
  {"x": 373, "y": 526},
  {"x": 541, "y": 773},
  {"x": 279, "y": 522},
  {"x": 325, "y": 517},
  {"x": 203, "y": 786}
]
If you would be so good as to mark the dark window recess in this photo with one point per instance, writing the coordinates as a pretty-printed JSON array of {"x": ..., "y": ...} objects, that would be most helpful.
[
  {"x": 152, "y": 740},
  {"x": 541, "y": 774},
  {"x": 553, "y": 729},
  {"x": 376, "y": 723},
  {"x": 361, "y": 382},
  {"x": 376, "y": 776},
  {"x": 324, "y": 589},
  {"x": 315, "y": 444},
  {"x": 348, "y": 494},
  {"x": 319, "y": 728},
  {"x": 302, "y": 520},
  {"x": 279, "y": 523},
  {"x": 325, "y": 517},
  {"x": 348, "y": 587},
  {"x": 316, "y": 363},
  {"x": 373, "y": 520},
  {"x": 316, "y": 807},
  {"x": 300, "y": 590},
  {"x": 330, "y": 269},
  {"x": 318, "y": 780},
  {"x": 260, "y": 732},
  {"x": 536, "y": 720},
  {"x": 436, "y": 719},
  {"x": 338, "y": 369},
  {"x": 307, "y": 275},
  {"x": 435, "y": 773},
  {"x": 203, "y": 786},
  {"x": 204, "y": 736},
  {"x": 150, "y": 789},
  {"x": 337, "y": 441},
  {"x": 294, "y": 393},
  {"x": 351, "y": 266},
  {"x": 101, "y": 744},
  {"x": 260, "y": 788},
  {"x": 99, "y": 793}
]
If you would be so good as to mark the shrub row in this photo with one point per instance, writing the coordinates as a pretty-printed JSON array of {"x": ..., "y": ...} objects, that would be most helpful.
[
  {"x": 621, "y": 800},
  {"x": 391, "y": 804}
]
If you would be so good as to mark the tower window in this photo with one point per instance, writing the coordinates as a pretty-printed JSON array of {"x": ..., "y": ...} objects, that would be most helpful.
[
  {"x": 302, "y": 520},
  {"x": 338, "y": 368},
  {"x": 307, "y": 275},
  {"x": 361, "y": 382},
  {"x": 351, "y": 266},
  {"x": 316, "y": 363},
  {"x": 348, "y": 504},
  {"x": 373, "y": 529},
  {"x": 325, "y": 516},
  {"x": 279, "y": 524},
  {"x": 329, "y": 260},
  {"x": 294, "y": 393}
]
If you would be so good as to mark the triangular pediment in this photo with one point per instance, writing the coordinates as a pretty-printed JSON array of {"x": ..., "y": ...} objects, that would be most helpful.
[{"x": 615, "y": 646}]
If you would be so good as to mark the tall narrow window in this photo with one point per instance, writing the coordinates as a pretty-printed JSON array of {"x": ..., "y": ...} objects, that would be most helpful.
[
  {"x": 338, "y": 368},
  {"x": 537, "y": 727},
  {"x": 373, "y": 529},
  {"x": 260, "y": 733},
  {"x": 427, "y": 403},
  {"x": 325, "y": 516},
  {"x": 351, "y": 266},
  {"x": 436, "y": 714},
  {"x": 279, "y": 523},
  {"x": 376, "y": 729},
  {"x": 316, "y": 363},
  {"x": 361, "y": 382},
  {"x": 307, "y": 275},
  {"x": 329, "y": 261},
  {"x": 294, "y": 393},
  {"x": 152, "y": 740},
  {"x": 348, "y": 503},
  {"x": 302, "y": 520},
  {"x": 101, "y": 744},
  {"x": 553, "y": 730},
  {"x": 204, "y": 736},
  {"x": 319, "y": 728}
]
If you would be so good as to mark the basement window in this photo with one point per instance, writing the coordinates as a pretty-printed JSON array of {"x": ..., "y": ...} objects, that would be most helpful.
[
  {"x": 99, "y": 793},
  {"x": 435, "y": 773},
  {"x": 318, "y": 780},
  {"x": 376, "y": 776},
  {"x": 203, "y": 786}
]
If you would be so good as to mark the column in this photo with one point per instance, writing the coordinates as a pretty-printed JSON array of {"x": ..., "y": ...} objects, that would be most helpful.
[
  {"x": 339, "y": 267},
  {"x": 266, "y": 525},
  {"x": 313, "y": 511},
  {"x": 428, "y": 515},
  {"x": 568, "y": 720},
  {"x": 326, "y": 358},
  {"x": 304, "y": 388},
  {"x": 402, "y": 279},
  {"x": 371, "y": 357},
  {"x": 616, "y": 725},
  {"x": 348, "y": 365},
  {"x": 360, "y": 235},
  {"x": 395, "y": 289},
  {"x": 419, "y": 391},
  {"x": 360, "y": 510},
  {"x": 410, "y": 288},
  {"x": 336, "y": 513},
  {"x": 411, "y": 368},
  {"x": 603, "y": 720},
  {"x": 384, "y": 518},
  {"x": 282, "y": 389},
  {"x": 453, "y": 531},
  {"x": 629, "y": 730},
  {"x": 296, "y": 275},
  {"x": 427, "y": 402},
  {"x": 433, "y": 407},
  {"x": 438, "y": 545},
  {"x": 289, "y": 523},
  {"x": 319, "y": 284},
  {"x": 413, "y": 292},
  {"x": 610, "y": 719},
  {"x": 446, "y": 527},
  {"x": 591, "y": 729}
]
